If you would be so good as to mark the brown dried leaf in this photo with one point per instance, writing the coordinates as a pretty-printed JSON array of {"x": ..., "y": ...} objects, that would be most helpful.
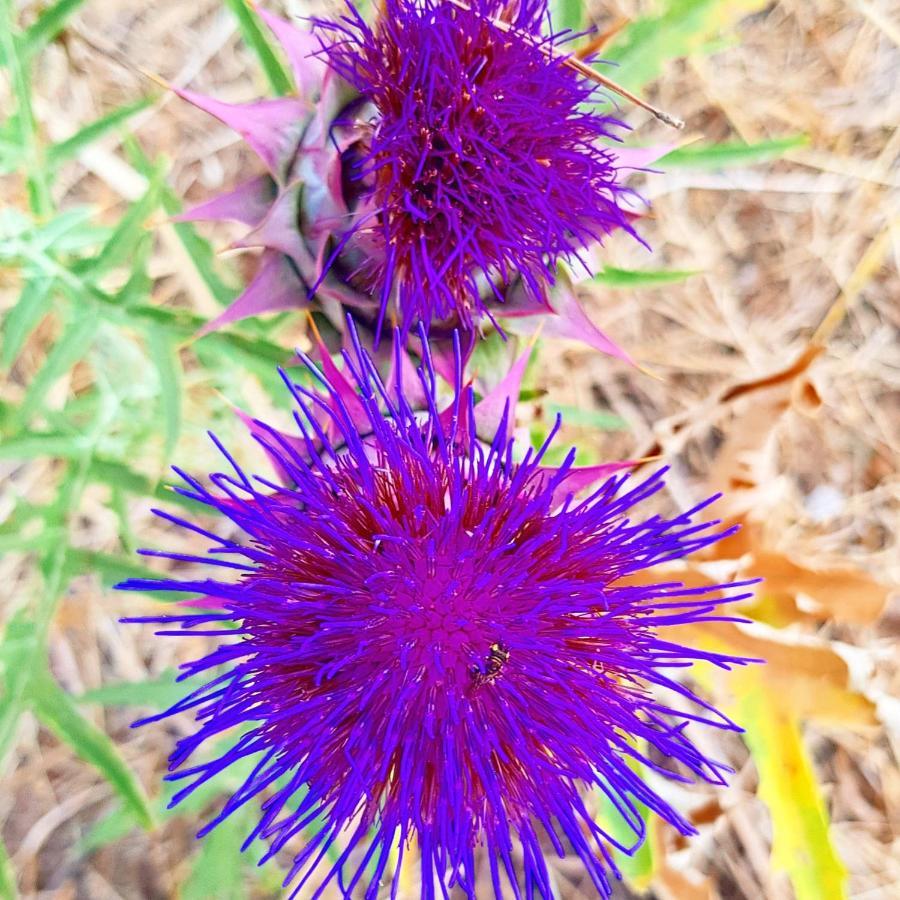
[
  {"x": 839, "y": 593},
  {"x": 809, "y": 677}
]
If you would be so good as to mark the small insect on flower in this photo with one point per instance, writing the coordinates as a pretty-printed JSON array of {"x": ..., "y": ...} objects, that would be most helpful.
[
  {"x": 491, "y": 670},
  {"x": 420, "y": 637}
]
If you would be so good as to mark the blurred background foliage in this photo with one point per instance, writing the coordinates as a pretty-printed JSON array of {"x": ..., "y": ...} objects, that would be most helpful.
[{"x": 767, "y": 311}]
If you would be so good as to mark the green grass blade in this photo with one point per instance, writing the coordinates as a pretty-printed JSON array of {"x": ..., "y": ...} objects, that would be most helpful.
[
  {"x": 257, "y": 39},
  {"x": 113, "y": 569},
  {"x": 49, "y": 25},
  {"x": 567, "y": 15},
  {"x": 57, "y": 710},
  {"x": 35, "y": 444},
  {"x": 32, "y": 305},
  {"x": 590, "y": 418},
  {"x": 7, "y": 876},
  {"x": 38, "y": 185},
  {"x": 216, "y": 868},
  {"x": 72, "y": 346},
  {"x": 111, "y": 828},
  {"x": 637, "y": 278},
  {"x": 158, "y": 694},
  {"x": 682, "y": 27},
  {"x": 722, "y": 156},
  {"x": 70, "y": 147},
  {"x": 118, "y": 475},
  {"x": 168, "y": 366},
  {"x": 20, "y": 642},
  {"x": 199, "y": 250},
  {"x": 123, "y": 243}
]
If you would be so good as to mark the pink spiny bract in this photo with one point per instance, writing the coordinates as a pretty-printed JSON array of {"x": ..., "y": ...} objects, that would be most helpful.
[{"x": 425, "y": 637}]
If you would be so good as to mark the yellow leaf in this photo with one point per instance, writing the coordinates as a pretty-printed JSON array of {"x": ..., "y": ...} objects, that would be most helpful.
[
  {"x": 801, "y": 844},
  {"x": 810, "y": 678}
]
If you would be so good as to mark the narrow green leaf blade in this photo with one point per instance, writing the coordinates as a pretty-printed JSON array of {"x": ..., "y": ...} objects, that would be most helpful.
[
  {"x": 199, "y": 250},
  {"x": 567, "y": 15},
  {"x": 7, "y": 876},
  {"x": 600, "y": 419},
  {"x": 216, "y": 869},
  {"x": 158, "y": 693},
  {"x": 19, "y": 647},
  {"x": 34, "y": 444},
  {"x": 48, "y": 25},
  {"x": 725, "y": 155},
  {"x": 128, "y": 233},
  {"x": 252, "y": 31},
  {"x": 71, "y": 146},
  {"x": 637, "y": 278},
  {"x": 22, "y": 319},
  {"x": 680, "y": 28},
  {"x": 168, "y": 366},
  {"x": 113, "y": 827},
  {"x": 57, "y": 710},
  {"x": 72, "y": 346},
  {"x": 112, "y": 570}
]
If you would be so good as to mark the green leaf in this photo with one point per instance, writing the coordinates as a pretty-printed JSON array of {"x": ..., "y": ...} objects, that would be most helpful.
[
  {"x": 591, "y": 418},
  {"x": 20, "y": 643},
  {"x": 252, "y": 31},
  {"x": 111, "y": 828},
  {"x": 127, "y": 234},
  {"x": 57, "y": 710},
  {"x": 168, "y": 366},
  {"x": 199, "y": 250},
  {"x": 118, "y": 475},
  {"x": 112, "y": 570},
  {"x": 159, "y": 693},
  {"x": 34, "y": 444},
  {"x": 636, "y": 278},
  {"x": 639, "y": 868},
  {"x": 682, "y": 27},
  {"x": 567, "y": 15},
  {"x": 48, "y": 25},
  {"x": 12, "y": 51},
  {"x": 86, "y": 136},
  {"x": 22, "y": 319},
  {"x": 216, "y": 868},
  {"x": 722, "y": 156},
  {"x": 72, "y": 346},
  {"x": 7, "y": 876},
  {"x": 801, "y": 843}
]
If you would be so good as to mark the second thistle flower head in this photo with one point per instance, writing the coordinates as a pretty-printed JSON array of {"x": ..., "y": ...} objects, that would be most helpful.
[
  {"x": 425, "y": 639},
  {"x": 484, "y": 161}
]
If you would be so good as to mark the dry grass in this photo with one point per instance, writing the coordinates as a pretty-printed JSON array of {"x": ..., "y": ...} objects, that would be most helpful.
[{"x": 780, "y": 248}]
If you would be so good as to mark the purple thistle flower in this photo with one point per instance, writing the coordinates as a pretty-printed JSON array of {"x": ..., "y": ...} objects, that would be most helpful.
[
  {"x": 437, "y": 166},
  {"x": 484, "y": 161},
  {"x": 426, "y": 637}
]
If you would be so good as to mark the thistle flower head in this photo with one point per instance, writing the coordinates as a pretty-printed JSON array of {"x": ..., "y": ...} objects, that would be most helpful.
[
  {"x": 426, "y": 638},
  {"x": 434, "y": 167},
  {"x": 484, "y": 160}
]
